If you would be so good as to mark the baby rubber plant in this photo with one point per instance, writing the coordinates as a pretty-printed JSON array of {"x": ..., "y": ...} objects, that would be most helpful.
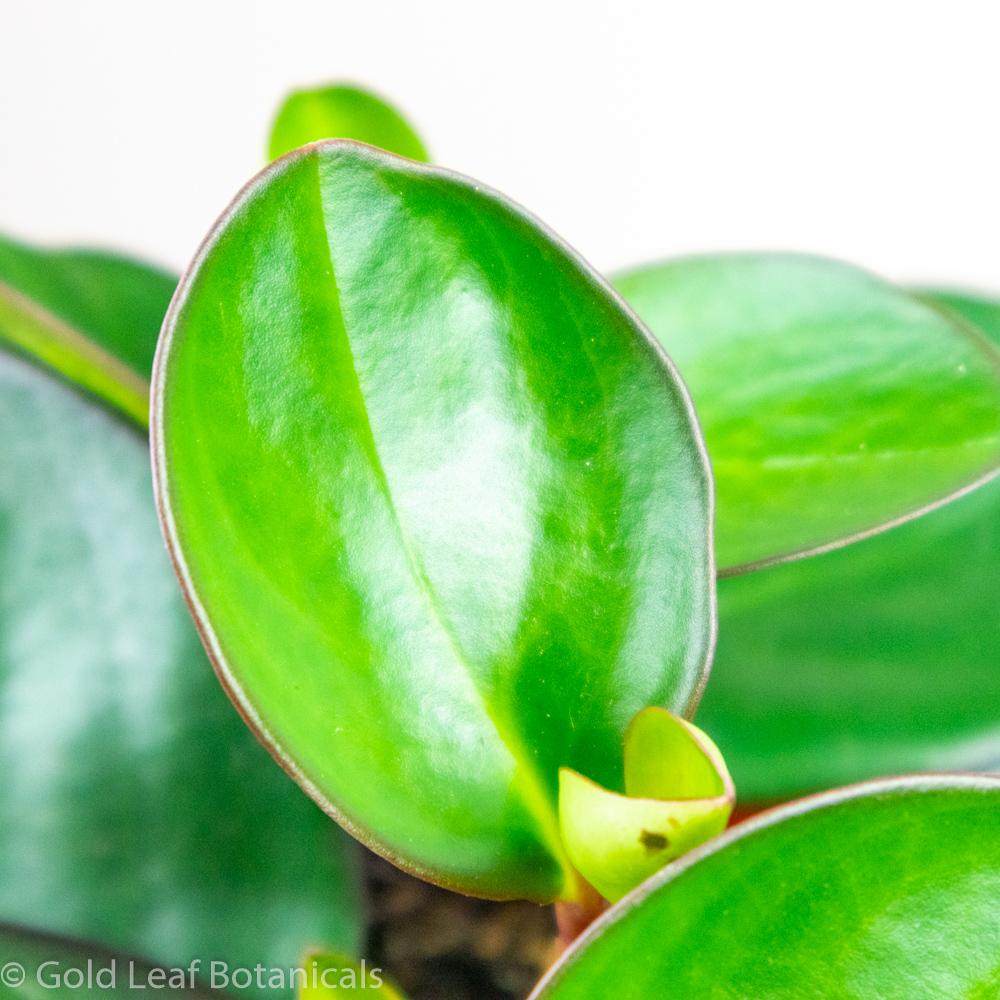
[
  {"x": 135, "y": 808},
  {"x": 441, "y": 510}
]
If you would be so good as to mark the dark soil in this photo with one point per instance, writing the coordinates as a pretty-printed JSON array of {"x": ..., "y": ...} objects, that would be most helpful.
[{"x": 438, "y": 945}]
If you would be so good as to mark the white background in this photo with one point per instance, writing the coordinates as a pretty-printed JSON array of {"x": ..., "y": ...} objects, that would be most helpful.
[{"x": 865, "y": 130}]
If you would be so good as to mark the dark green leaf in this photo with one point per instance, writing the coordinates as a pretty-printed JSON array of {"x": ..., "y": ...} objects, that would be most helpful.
[
  {"x": 439, "y": 504},
  {"x": 35, "y": 965},
  {"x": 890, "y": 891},
  {"x": 135, "y": 807},
  {"x": 875, "y": 659},
  {"x": 833, "y": 403},
  {"x": 91, "y": 316},
  {"x": 341, "y": 111}
]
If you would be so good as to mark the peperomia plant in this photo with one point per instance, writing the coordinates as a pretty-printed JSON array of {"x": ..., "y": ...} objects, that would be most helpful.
[{"x": 441, "y": 508}]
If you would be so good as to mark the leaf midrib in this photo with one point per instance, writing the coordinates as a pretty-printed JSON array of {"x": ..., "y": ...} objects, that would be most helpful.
[{"x": 535, "y": 797}]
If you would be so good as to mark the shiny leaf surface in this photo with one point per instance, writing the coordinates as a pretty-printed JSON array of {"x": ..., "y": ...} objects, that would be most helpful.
[
  {"x": 890, "y": 891},
  {"x": 876, "y": 659},
  {"x": 439, "y": 503},
  {"x": 832, "y": 402},
  {"x": 678, "y": 794},
  {"x": 91, "y": 316},
  {"x": 35, "y": 964},
  {"x": 135, "y": 807},
  {"x": 341, "y": 111}
]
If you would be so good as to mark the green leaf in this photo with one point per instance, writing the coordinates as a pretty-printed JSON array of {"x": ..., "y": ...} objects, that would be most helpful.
[
  {"x": 331, "y": 976},
  {"x": 90, "y": 316},
  {"x": 341, "y": 111},
  {"x": 889, "y": 891},
  {"x": 876, "y": 659},
  {"x": 833, "y": 404},
  {"x": 34, "y": 964},
  {"x": 439, "y": 504},
  {"x": 678, "y": 794},
  {"x": 136, "y": 808}
]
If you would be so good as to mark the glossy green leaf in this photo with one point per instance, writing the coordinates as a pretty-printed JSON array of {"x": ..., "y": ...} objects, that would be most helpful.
[
  {"x": 890, "y": 891},
  {"x": 439, "y": 504},
  {"x": 678, "y": 794},
  {"x": 331, "y": 976},
  {"x": 91, "y": 316},
  {"x": 342, "y": 111},
  {"x": 876, "y": 659},
  {"x": 833, "y": 403},
  {"x": 135, "y": 807},
  {"x": 35, "y": 964}
]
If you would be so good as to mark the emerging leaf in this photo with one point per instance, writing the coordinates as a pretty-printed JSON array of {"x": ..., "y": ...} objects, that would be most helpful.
[{"x": 678, "y": 794}]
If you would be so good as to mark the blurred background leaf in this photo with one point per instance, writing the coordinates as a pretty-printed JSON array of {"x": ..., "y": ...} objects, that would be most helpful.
[
  {"x": 875, "y": 659},
  {"x": 35, "y": 964},
  {"x": 136, "y": 808},
  {"x": 342, "y": 111},
  {"x": 832, "y": 402}
]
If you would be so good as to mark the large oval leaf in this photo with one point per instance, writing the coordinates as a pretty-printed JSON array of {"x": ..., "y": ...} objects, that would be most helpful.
[
  {"x": 342, "y": 111},
  {"x": 833, "y": 403},
  {"x": 35, "y": 964},
  {"x": 91, "y": 316},
  {"x": 876, "y": 659},
  {"x": 439, "y": 503},
  {"x": 135, "y": 807},
  {"x": 890, "y": 891}
]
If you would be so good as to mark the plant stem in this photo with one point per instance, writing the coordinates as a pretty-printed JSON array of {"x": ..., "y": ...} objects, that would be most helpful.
[{"x": 572, "y": 919}]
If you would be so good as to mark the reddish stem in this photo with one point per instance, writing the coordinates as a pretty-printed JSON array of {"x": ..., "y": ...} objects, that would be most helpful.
[{"x": 572, "y": 919}]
